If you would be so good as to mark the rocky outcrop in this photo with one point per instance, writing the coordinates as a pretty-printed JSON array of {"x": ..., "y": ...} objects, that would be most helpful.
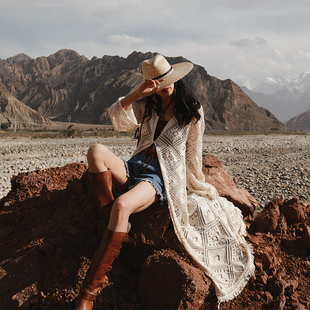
[
  {"x": 11, "y": 109},
  {"x": 226, "y": 187},
  {"x": 279, "y": 214},
  {"x": 50, "y": 228},
  {"x": 67, "y": 83}
]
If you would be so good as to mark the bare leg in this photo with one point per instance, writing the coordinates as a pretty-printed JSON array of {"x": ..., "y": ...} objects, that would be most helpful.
[
  {"x": 100, "y": 159},
  {"x": 135, "y": 200}
]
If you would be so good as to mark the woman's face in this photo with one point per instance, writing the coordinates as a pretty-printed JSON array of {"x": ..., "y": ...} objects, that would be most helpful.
[{"x": 167, "y": 91}]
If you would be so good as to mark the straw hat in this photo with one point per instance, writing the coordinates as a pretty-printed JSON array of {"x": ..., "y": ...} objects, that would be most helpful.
[{"x": 158, "y": 68}]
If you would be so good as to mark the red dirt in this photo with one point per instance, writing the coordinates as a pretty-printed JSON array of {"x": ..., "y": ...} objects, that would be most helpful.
[{"x": 49, "y": 230}]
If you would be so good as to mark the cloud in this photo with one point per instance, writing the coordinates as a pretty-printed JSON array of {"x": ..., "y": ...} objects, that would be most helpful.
[
  {"x": 250, "y": 45},
  {"x": 125, "y": 40},
  {"x": 230, "y": 39}
]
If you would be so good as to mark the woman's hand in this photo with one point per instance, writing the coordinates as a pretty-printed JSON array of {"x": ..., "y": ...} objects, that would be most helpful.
[{"x": 148, "y": 88}]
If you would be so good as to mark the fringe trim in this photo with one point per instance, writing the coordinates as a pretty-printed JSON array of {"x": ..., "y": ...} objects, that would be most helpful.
[
  {"x": 240, "y": 285},
  {"x": 243, "y": 282}
]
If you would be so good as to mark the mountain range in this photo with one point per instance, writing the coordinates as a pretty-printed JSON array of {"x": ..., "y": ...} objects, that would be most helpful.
[
  {"x": 66, "y": 83},
  {"x": 285, "y": 96}
]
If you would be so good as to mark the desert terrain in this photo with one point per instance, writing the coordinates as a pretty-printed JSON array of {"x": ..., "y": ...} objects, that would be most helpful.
[
  {"x": 50, "y": 228},
  {"x": 268, "y": 166}
]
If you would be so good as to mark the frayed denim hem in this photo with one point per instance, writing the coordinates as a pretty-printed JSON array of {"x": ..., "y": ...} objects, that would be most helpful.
[{"x": 126, "y": 167}]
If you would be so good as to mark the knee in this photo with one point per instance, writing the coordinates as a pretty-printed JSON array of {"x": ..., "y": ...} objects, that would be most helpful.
[
  {"x": 119, "y": 208},
  {"x": 95, "y": 152}
]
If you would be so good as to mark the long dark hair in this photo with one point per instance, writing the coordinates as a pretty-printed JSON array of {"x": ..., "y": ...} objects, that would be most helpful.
[{"x": 185, "y": 108}]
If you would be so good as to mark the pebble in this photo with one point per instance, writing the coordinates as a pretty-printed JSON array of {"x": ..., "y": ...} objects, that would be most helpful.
[{"x": 268, "y": 166}]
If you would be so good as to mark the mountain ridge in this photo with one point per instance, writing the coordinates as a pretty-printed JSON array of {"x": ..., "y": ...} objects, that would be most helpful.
[
  {"x": 66, "y": 83},
  {"x": 13, "y": 111}
]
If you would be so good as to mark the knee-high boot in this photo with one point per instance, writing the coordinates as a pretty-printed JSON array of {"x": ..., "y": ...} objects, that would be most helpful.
[
  {"x": 102, "y": 185},
  {"x": 109, "y": 248}
]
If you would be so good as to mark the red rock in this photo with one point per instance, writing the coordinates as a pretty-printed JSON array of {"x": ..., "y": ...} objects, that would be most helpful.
[
  {"x": 258, "y": 265},
  {"x": 221, "y": 180},
  {"x": 279, "y": 302},
  {"x": 306, "y": 237},
  {"x": 276, "y": 286},
  {"x": 282, "y": 224},
  {"x": 147, "y": 230},
  {"x": 294, "y": 298},
  {"x": 266, "y": 260},
  {"x": 168, "y": 282},
  {"x": 292, "y": 285},
  {"x": 293, "y": 211},
  {"x": 262, "y": 277},
  {"x": 267, "y": 220},
  {"x": 257, "y": 296},
  {"x": 211, "y": 161},
  {"x": 268, "y": 297},
  {"x": 299, "y": 306}
]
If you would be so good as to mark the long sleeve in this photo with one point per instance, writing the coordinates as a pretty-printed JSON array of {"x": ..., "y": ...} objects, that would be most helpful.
[
  {"x": 126, "y": 120},
  {"x": 195, "y": 179}
]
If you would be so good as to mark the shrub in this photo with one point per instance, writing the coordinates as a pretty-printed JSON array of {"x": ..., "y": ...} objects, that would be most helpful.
[{"x": 5, "y": 126}]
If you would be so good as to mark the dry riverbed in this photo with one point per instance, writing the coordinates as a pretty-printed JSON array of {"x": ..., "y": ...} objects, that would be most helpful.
[{"x": 268, "y": 166}]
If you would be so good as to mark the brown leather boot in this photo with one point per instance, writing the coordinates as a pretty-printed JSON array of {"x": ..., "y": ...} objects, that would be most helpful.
[
  {"x": 109, "y": 248},
  {"x": 102, "y": 185}
]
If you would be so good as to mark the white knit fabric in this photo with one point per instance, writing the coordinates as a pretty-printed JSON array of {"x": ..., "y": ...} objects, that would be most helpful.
[{"x": 210, "y": 227}]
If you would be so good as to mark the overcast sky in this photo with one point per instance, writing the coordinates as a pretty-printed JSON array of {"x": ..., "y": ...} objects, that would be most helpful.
[{"x": 236, "y": 39}]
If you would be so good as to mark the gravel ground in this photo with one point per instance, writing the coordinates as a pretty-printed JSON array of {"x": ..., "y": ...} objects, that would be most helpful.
[{"x": 268, "y": 166}]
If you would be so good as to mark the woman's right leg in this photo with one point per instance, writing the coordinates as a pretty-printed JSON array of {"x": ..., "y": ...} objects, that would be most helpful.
[
  {"x": 135, "y": 200},
  {"x": 101, "y": 159},
  {"x": 102, "y": 164}
]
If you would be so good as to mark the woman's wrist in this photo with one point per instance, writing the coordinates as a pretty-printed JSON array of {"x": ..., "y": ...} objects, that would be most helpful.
[{"x": 130, "y": 99}]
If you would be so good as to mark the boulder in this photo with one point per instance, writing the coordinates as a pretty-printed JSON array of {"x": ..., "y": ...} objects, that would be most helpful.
[
  {"x": 293, "y": 211},
  {"x": 226, "y": 187},
  {"x": 147, "y": 230},
  {"x": 167, "y": 282},
  {"x": 278, "y": 214},
  {"x": 267, "y": 220}
]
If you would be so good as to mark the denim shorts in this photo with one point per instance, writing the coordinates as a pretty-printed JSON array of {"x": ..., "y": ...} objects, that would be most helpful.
[{"x": 139, "y": 169}]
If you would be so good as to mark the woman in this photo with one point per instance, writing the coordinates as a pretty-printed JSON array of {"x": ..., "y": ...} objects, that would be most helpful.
[{"x": 166, "y": 166}]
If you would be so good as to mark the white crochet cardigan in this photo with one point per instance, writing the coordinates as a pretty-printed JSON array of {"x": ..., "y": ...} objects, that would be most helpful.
[{"x": 210, "y": 227}]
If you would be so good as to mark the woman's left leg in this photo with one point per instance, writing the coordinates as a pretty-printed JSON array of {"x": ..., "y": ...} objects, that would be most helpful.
[{"x": 135, "y": 200}]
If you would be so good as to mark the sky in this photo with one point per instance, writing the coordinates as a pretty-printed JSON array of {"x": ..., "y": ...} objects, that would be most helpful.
[{"x": 235, "y": 39}]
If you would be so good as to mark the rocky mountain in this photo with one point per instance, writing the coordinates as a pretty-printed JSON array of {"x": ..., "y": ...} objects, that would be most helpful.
[
  {"x": 285, "y": 96},
  {"x": 66, "y": 83},
  {"x": 300, "y": 122},
  {"x": 10, "y": 108}
]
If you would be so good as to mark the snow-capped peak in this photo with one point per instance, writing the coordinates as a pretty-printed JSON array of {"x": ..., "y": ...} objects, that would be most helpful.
[{"x": 270, "y": 85}]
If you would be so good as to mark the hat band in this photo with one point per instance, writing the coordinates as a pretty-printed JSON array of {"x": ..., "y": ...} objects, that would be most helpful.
[{"x": 158, "y": 77}]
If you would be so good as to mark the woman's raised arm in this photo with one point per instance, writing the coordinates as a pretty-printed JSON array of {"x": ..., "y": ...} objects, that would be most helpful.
[{"x": 147, "y": 88}]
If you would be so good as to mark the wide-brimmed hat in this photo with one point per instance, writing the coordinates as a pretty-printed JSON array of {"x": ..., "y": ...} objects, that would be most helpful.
[{"x": 158, "y": 68}]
